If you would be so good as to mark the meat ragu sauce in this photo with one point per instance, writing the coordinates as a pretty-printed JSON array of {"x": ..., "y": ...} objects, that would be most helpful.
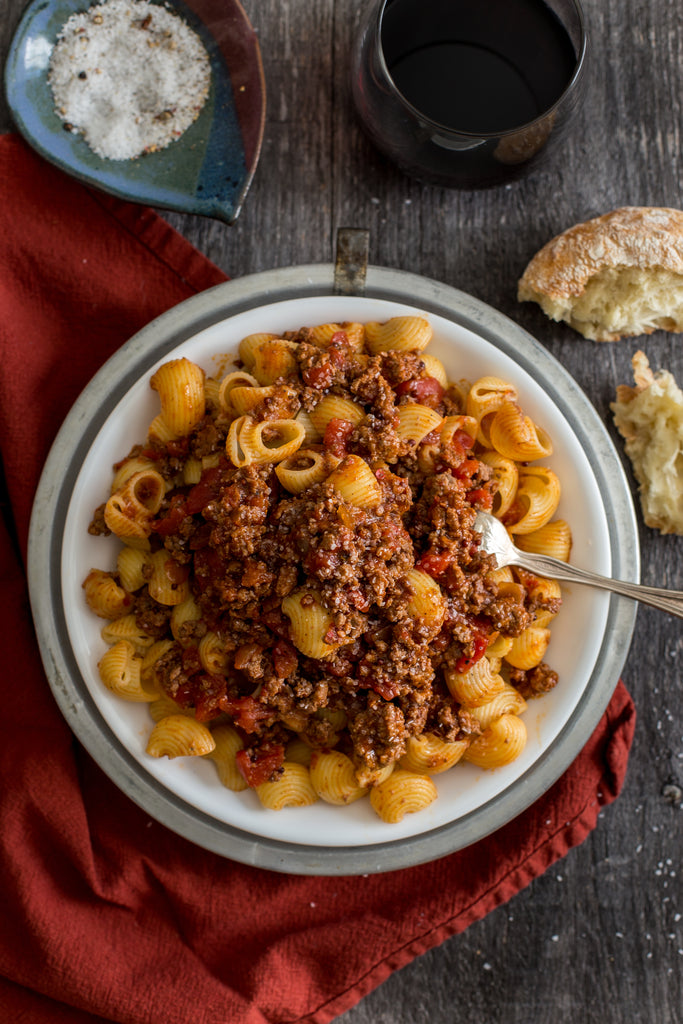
[{"x": 245, "y": 543}]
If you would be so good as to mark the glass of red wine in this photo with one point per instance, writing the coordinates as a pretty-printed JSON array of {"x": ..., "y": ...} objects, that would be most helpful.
[{"x": 469, "y": 93}]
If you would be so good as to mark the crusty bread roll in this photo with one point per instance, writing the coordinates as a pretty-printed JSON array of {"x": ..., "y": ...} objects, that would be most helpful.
[
  {"x": 649, "y": 417},
  {"x": 616, "y": 276}
]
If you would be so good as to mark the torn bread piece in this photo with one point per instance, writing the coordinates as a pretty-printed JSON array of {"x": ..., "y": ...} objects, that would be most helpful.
[
  {"x": 649, "y": 417},
  {"x": 615, "y": 276}
]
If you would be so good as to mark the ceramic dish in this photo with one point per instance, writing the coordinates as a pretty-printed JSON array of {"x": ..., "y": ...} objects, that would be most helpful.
[
  {"x": 590, "y": 637},
  {"x": 208, "y": 170}
]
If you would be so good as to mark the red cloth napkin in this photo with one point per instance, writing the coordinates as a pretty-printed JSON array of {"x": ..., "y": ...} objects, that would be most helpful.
[{"x": 105, "y": 913}]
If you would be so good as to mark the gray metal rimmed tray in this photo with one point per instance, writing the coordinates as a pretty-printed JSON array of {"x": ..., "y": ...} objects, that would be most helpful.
[{"x": 471, "y": 338}]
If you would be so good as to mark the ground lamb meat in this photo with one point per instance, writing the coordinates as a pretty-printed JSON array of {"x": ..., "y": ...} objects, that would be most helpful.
[
  {"x": 296, "y": 699},
  {"x": 373, "y": 389},
  {"x": 448, "y": 720},
  {"x": 281, "y": 403},
  {"x": 355, "y": 555},
  {"x": 248, "y": 542},
  {"x": 508, "y": 613},
  {"x": 378, "y": 734},
  {"x": 98, "y": 527},
  {"x": 534, "y": 681},
  {"x": 325, "y": 368},
  {"x": 150, "y": 616},
  {"x": 377, "y": 439},
  {"x": 399, "y": 367},
  {"x": 239, "y": 516},
  {"x": 207, "y": 439}
]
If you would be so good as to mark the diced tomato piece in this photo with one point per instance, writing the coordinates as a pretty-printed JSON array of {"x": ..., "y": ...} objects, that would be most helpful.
[
  {"x": 337, "y": 434},
  {"x": 209, "y": 566},
  {"x": 209, "y": 487},
  {"x": 319, "y": 377},
  {"x": 338, "y": 348},
  {"x": 387, "y": 690},
  {"x": 434, "y": 563},
  {"x": 259, "y": 766},
  {"x": 200, "y": 496},
  {"x": 432, "y": 437},
  {"x": 178, "y": 447},
  {"x": 184, "y": 695},
  {"x": 477, "y": 645},
  {"x": 191, "y": 661},
  {"x": 285, "y": 659},
  {"x": 480, "y": 497},
  {"x": 208, "y": 693},
  {"x": 462, "y": 441},
  {"x": 175, "y": 573},
  {"x": 246, "y": 712},
  {"x": 425, "y": 390},
  {"x": 276, "y": 621},
  {"x": 170, "y": 523},
  {"x": 466, "y": 470},
  {"x": 458, "y": 464}
]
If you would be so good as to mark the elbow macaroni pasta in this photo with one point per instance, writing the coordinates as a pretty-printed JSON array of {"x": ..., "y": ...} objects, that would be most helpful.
[{"x": 165, "y": 649}]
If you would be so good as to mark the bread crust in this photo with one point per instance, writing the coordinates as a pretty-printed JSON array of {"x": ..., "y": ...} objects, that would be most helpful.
[
  {"x": 616, "y": 276},
  {"x": 631, "y": 236}
]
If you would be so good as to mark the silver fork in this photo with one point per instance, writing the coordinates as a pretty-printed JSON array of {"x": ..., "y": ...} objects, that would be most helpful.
[{"x": 496, "y": 541}]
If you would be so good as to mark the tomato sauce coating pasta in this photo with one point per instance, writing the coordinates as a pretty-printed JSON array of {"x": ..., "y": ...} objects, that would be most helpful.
[{"x": 343, "y": 610}]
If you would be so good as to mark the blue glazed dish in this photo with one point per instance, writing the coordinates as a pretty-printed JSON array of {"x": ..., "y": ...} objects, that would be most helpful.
[{"x": 208, "y": 170}]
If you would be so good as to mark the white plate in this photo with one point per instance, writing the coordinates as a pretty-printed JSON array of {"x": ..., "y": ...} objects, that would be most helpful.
[{"x": 589, "y": 638}]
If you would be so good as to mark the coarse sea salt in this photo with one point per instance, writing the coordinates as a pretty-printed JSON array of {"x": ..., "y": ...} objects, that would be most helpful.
[{"x": 128, "y": 75}]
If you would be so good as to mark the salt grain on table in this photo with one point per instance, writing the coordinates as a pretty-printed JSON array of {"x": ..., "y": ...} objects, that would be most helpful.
[{"x": 128, "y": 75}]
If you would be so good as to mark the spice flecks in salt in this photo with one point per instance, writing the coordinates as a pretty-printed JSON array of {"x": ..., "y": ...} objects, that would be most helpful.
[{"x": 130, "y": 76}]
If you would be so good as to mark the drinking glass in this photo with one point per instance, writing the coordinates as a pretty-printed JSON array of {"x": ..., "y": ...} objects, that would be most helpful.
[{"x": 469, "y": 93}]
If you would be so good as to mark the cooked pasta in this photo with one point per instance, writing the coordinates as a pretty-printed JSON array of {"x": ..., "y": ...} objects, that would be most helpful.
[
  {"x": 104, "y": 595},
  {"x": 274, "y": 359},
  {"x": 335, "y": 407},
  {"x": 430, "y": 755},
  {"x": 127, "y": 628},
  {"x": 537, "y": 498},
  {"x": 129, "y": 511},
  {"x": 403, "y": 793},
  {"x": 251, "y": 442},
  {"x": 300, "y": 595},
  {"x": 130, "y": 565},
  {"x": 180, "y": 384},
  {"x": 356, "y": 483},
  {"x": 309, "y": 623},
  {"x": 553, "y": 539},
  {"x": 233, "y": 380},
  {"x": 224, "y": 755},
  {"x": 500, "y": 744},
  {"x": 119, "y": 669},
  {"x": 302, "y": 470},
  {"x": 399, "y": 334},
  {"x": 179, "y": 735},
  {"x": 516, "y": 436},
  {"x": 293, "y": 788},
  {"x": 334, "y": 779}
]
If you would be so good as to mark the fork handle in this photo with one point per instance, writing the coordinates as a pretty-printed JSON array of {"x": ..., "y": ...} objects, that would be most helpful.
[{"x": 666, "y": 600}]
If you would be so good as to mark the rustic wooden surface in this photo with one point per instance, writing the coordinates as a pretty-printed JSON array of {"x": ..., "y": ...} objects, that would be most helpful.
[{"x": 600, "y": 936}]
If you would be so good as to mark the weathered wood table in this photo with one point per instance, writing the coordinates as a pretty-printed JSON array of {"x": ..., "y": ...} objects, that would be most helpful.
[{"x": 600, "y": 936}]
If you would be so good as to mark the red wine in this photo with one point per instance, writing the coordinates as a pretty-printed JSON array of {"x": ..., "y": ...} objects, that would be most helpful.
[
  {"x": 477, "y": 66},
  {"x": 468, "y": 93}
]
